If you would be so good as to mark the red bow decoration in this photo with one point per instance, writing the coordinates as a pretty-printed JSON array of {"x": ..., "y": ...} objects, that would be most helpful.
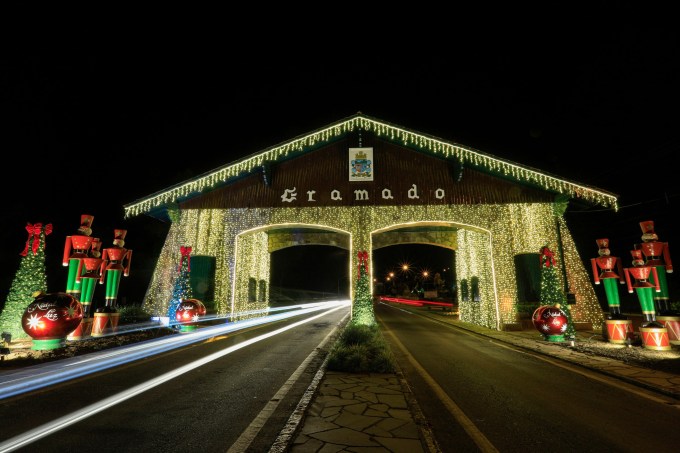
[
  {"x": 185, "y": 251},
  {"x": 548, "y": 255},
  {"x": 34, "y": 232},
  {"x": 363, "y": 261}
]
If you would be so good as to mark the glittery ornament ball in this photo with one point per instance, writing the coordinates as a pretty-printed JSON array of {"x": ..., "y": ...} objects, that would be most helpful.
[
  {"x": 190, "y": 310},
  {"x": 52, "y": 316},
  {"x": 550, "y": 320}
]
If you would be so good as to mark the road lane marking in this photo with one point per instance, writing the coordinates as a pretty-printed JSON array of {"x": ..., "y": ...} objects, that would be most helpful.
[
  {"x": 597, "y": 375},
  {"x": 249, "y": 434},
  {"x": 470, "y": 428}
]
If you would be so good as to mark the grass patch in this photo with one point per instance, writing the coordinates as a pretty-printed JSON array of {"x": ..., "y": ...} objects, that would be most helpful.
[
  {"x": 361, "y": 349},
  {"x": 132, "y": 313}
]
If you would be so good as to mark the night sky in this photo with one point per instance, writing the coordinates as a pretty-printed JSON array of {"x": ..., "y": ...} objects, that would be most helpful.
[{"x": 87, "y": 134}]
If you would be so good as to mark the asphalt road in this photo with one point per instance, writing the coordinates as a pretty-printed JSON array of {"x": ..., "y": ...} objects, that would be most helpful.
[
  {"x": 194, "y": 398},
  {"x": 480, "y": 395}
]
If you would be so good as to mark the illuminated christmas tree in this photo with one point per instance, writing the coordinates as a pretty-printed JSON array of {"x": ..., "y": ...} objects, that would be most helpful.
[
  {"x": 362, "y": 311},
  {"x": 182, "y": 288},
  {"x": 30, "y": 278},
  {"x": 551, "y": 289}
]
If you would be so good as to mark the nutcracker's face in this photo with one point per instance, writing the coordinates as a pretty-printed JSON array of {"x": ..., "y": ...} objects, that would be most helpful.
[{"x": 649, "y": 237}]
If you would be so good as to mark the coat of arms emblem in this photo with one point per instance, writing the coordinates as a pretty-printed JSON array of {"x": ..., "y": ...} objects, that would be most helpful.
[{"x": 361, "y": 164}]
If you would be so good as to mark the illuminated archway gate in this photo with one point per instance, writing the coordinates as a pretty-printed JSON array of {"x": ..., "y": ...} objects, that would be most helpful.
[
  {"x": 501, "y": 209},
  {"x": 483, "y": 250}
]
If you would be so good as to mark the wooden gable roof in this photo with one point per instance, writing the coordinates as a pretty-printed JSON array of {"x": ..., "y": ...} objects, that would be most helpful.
[{"x": 317, "y": 162}]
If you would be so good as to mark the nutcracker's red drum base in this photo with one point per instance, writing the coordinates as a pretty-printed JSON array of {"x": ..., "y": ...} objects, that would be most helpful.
[
  {"x": 618, "y": 330},
  {"x": 114, "y": 317},
  {"x": 76, "y": 334},
  {"x": 84, "y": 329},
  {"x": 99, "y": 324},
  {"x": 655, "y": 338},
  {"x": 105, "y": 324},
  {"x": 672, "y": 324}
]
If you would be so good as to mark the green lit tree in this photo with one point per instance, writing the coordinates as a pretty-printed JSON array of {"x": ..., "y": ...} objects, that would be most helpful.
[
  {"x": 182, "y": 288},
  {"x": 362, "y": 308},
  {"x": 30, "y": 278},
  {"x": 551, "y": 288}
]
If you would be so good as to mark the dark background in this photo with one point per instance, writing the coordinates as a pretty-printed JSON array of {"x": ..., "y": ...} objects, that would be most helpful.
[{"x": 87, "y": 133}]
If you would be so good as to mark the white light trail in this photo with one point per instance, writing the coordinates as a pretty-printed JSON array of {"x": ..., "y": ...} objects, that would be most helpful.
[
  {"x": 88, "y": 411},
  {"x": 39, "y": 376}
]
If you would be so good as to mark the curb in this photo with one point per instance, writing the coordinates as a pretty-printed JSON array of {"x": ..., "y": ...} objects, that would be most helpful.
[
  {"x": 423, "y": 425},
  {"x": 285, "y": 437}
]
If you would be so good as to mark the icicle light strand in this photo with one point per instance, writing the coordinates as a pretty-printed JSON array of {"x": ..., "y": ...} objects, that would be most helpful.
[{"x": 387, "y": 131}]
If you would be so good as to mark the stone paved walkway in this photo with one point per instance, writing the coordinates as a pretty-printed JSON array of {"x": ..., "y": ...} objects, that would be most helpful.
[{"x": 359, "y": 412}]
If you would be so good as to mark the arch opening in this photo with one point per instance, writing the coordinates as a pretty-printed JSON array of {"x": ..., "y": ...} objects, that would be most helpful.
[
  {"x": 310, "y": 272},
  {"x": 412, "y": 270}
]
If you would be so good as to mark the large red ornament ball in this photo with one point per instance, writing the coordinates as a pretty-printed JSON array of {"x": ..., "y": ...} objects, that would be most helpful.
[
  {"x": 550, "y": 320},
  {"x": 190, "y": 310},
  {"x": 52, "y": 316}
]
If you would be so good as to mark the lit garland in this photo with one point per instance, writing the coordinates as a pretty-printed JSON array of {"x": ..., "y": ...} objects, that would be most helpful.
[
  {"x": 472, "y": 260},
  {"x": 253, "y": 263},
  {"x": 488, "y": 238},
  {"x": 467, "y": 156},
  {"x": 579, "y": 282},
  {"x": 362, "y": 307}
]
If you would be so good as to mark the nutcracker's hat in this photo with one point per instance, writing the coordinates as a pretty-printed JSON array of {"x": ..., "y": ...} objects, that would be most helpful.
[
  {"x": 119, "y": 234},
  {"x": 86, "y": 220},
  {"x": 602, "y": 243},
  {"x": 647, "y": 226},
  {"x": 648, "y": 233},
  {"x": 96, "y": 244}
]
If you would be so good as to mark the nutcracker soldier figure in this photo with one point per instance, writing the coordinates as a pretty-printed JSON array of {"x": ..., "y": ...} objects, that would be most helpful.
[
  {"x": 654, "y": 334},
  {"x": 115, "y": 264},
  {"x": 618, "y": 326},
  {"x": 657, "y": 255},
  {"x": 75, "y": 249},
  {"x": 607, "y": 275},
  {"x": 89, "y": 272}
]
